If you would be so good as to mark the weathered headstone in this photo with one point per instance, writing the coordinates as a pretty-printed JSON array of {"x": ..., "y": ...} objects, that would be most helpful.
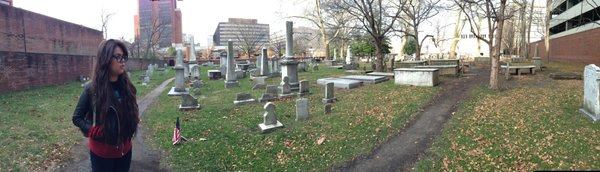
[
  {"x": 328, "y": 108},
  {"x": 286, "y": 91},
  {"x": 350, "y": 61},
  {"x": 214, "y": 74},
  {"x": 269, "y": 118},
  {"x": 243, "y": 98},
  {"x": 304, "y": 88},
  {"x": 591, "y": 92},
  {"x": 266, "y": 97},
  {"x": 302, "y": 109},
  {"x": 289, "y": 65},
  {"x": 340, "y": 82},
  {"x": 273, "y": 90},
  {"x": 259, "y": 82},
  {"x": 329, "y": 95},
  {"x": 195, "y": 71},
  {"x": 188, "y": 102},
  {"x": 230, "y": 77},
  {"x": 264, "y": 65},
  {"x": 179, "y": 77}
]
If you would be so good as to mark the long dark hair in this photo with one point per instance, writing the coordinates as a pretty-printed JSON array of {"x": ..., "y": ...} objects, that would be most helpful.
[{"x": 104, "y": 98}]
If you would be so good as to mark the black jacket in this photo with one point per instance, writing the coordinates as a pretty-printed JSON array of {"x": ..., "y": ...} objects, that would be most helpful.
[{"x": 82, "y": 118}]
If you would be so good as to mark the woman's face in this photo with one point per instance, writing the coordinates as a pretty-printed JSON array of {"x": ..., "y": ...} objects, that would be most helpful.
[{"x": 117, "y": 67}]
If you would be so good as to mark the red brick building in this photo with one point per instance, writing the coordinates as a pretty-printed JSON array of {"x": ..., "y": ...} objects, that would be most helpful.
[{"x": 574, "y": 33}]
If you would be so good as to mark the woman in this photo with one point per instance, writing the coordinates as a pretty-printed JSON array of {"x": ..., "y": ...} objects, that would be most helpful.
[{"x": 107, "y": 112}]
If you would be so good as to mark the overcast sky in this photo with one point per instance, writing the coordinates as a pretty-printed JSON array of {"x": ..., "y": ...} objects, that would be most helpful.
[{"x": 200, "y": 17}]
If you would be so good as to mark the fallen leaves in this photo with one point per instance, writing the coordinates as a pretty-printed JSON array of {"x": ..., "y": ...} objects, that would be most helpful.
[{"x": 320, "y": 140}]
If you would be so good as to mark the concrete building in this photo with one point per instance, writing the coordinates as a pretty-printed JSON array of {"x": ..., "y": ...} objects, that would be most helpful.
[
  {"x": 574, "y": 32},
  {"x": 241, "y": 30},
  {"x": 158, "y": 16}
]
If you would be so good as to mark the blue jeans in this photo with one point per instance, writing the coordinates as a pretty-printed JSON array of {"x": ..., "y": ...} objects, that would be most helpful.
[{"x": 100, "y": 164}]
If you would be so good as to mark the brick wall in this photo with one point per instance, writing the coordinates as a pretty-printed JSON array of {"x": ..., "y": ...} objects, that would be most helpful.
[
  {"x": 583, "y": 47},
  {"x": 36, "y": 50}
]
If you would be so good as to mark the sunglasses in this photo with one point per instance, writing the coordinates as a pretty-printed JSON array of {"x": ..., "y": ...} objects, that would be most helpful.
[{"x": 121, "y": 58}]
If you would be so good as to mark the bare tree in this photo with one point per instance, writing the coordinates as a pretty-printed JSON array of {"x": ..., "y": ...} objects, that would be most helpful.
[
  {"x": 150, "y": 43},
  {"x": 377, "y": 18},
  {"x": 330, "y": 21},
  {"x": 250, "y": 38},
  {"x": 277, "y": 44},
  {"x": 414, "y": 13},
  {"x": 494, "y": 12},
  {"x": 105, "y": 18}
]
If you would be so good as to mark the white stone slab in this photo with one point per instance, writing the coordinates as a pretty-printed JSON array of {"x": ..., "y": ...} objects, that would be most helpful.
[
  {"x": 172, "y": 92},
  {"x": 366, "y": 79},
  {"x": 591, "y": 92},
  {"x": 389, "y": 74},
  {"x": 340, "y": 83},
  {"x": 416, "y": 77}
]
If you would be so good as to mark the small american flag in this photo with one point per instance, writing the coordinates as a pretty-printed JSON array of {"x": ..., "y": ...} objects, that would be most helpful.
[{"x": 177, "y": 133}]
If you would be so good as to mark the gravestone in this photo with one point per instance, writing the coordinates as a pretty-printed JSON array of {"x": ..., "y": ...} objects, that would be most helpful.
[
  {"x": 264, "y": 65},
  {"x": 269, "y": 118},
  {"x": 302, "y": 109},
  {"x": 243, "y": 98},
  {"x": 591, "y": 92},
  {"x": 329, "y": 95},
  {"x": 328, "y": 108},
  {"x": 340, "y": 83},
  {"x": 165, "y": 65},
  {"x": 366, "y": 79},
  {"x": 266, "y": 97},
  {"x": 351, "y": 63},
  {"x": 286, "y": 91},
  {"x": 214, "y": 74},
  {"x": 273, "y": 90},
  {"x": 146, "y": 80},
  {"x": 289, "y": 65},
  {"x": 304, "y": 88},
  {"x": 230, "y": 76},
  {"x": 179, "y": 77},
  {"x": 537, "y": 61},
  {"x": 240, "y": 74},
  {"x": 188, "y": 102},
  {"x": 195, "y": 71},
  {"x": 259, "y": 82}
]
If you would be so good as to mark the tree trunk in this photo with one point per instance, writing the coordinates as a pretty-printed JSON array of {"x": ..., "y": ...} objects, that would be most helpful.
[
  {"x": 494, "y": 82},
  {"x": 522, "y": 42},
  {"x": 378, "y": 52},
  {"x": 457, "y": 31},
  {"x": 417, "y": 45},
  {"x": 547, "y": 35},
  {"x": 527, "y": 49},
  {"x": 326, "y": 48}
]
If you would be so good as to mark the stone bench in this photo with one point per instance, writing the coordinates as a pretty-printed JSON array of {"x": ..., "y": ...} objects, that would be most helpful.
[
  {"x": 519, "y": 69},
  {"x": 444, "y": 69},
  {"x": 416, "y": 76}
]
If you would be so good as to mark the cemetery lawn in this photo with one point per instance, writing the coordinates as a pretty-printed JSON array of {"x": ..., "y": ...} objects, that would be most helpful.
[
  {"x": 534, "y": 124},
  {"x": 36, "y": 131},
  {"x": 223, "y": 137}
]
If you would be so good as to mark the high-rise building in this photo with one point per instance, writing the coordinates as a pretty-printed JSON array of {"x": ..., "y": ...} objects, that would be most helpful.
[
  {"x": 241, "y": 30},
  {"x": 159, "y": 19}
]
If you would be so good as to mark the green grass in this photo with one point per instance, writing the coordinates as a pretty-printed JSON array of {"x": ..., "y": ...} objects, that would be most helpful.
[
  {"x": 35, "y": 125},
  {"x": 361, "y": 119},
  {"x": 533, "y": 126}
]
